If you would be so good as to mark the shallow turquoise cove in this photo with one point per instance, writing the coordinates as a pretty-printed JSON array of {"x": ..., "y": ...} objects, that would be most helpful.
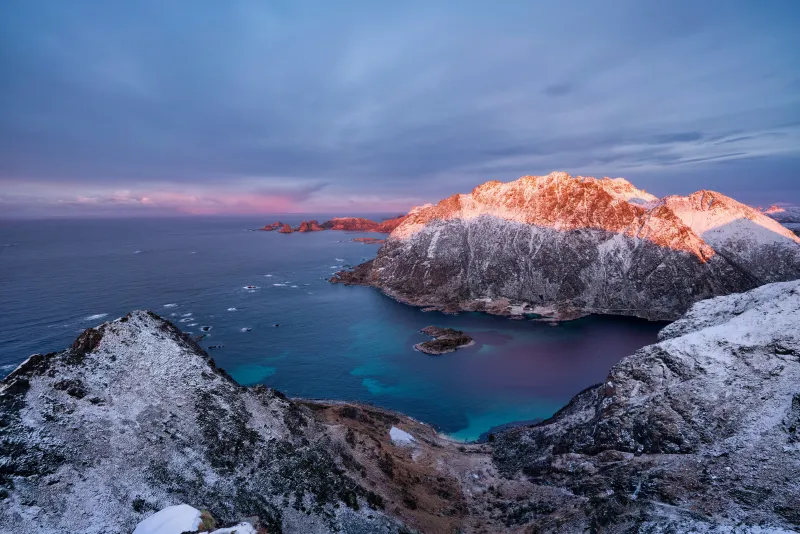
[{"x": 332, "y": 342}]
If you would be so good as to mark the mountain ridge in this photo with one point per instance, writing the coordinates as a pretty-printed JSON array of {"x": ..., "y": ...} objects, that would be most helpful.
[{"x": 563, "y": 247}]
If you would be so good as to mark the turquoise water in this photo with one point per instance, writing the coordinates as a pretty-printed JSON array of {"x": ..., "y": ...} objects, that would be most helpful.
[{"x": 332, "y": 342}]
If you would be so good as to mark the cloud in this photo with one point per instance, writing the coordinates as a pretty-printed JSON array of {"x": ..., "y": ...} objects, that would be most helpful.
[{"x": 405, "y": 101}]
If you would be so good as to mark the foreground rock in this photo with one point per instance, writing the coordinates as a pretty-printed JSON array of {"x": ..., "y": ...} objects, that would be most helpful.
[
  {"x": 702, "y": 428},
  {"x": 444, "y": 340},
  {"x": 697, "y": 433},
  {"x": 136, "y": 417},
  {"x": 563, "y": 247}
]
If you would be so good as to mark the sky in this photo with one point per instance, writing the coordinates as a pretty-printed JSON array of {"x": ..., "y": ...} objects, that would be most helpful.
[{"x": 246, "y": 107}]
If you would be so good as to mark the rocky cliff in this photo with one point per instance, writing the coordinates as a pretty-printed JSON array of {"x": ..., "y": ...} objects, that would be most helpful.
[
  {"x": 135, "y": 417},
  {"x": 698, "y": 433},
  {"x": 563, "y": 246}
]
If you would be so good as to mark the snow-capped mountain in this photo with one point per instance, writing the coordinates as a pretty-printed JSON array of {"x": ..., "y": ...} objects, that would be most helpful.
[{"x": 563, "y": 246}]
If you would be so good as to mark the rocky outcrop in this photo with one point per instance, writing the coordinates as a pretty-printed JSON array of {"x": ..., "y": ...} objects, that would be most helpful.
[
  {"x": 271, "y": 227},
  {"x": 136, "y": 417},
  {"x": 561, "y": 247},
  {"x": 697, "y": 433},
  {"x": 310, "y": 226},
  {"x": 365, "y": 225},
  {"x": 700, "y": 430},
  {"x": 353, "y": 224},
  {"x": 444, "y": 340},
  {"x": 368, "y": 240}
]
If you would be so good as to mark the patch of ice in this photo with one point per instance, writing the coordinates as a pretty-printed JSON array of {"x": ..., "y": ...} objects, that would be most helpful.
[
  {"x": 95, "y": 317},
  {"x": 401, "y": 438},
  {"x": 171, "y": 520}
]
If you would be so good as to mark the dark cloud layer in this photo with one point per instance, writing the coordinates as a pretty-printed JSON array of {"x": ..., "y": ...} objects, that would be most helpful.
[{"x": 355, "y": 105}]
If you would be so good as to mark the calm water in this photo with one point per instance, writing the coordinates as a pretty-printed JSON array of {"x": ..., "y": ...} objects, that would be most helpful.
[{"x": 334, "y": 342}]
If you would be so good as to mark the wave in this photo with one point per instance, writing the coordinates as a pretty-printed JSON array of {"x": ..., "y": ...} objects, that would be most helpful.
[
  {"x": 172, "y": 305},
  {"x": 95, "y": 317},
  {"x": 231, "y": 309}
]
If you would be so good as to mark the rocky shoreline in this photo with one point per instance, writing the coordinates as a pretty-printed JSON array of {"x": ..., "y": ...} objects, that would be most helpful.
[{"x": 699, "y": 432}]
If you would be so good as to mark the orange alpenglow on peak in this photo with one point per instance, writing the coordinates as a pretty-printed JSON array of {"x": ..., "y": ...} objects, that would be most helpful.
[{"x": 567, "y": 246}]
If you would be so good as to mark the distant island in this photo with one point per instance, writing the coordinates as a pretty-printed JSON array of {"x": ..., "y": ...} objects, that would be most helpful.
[{"x": 355, "y": 224}]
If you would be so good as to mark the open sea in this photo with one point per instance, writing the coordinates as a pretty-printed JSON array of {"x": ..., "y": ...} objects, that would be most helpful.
[{"x": 59, "y": 277}]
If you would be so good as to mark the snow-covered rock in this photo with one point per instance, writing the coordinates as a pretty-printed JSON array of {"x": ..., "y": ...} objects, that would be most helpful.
[
  {"x": 401, "y": 437},
  {"x": 184, "y": 518},
  {"x": 171, "y": 520},
  {"x": 697, "y": 433},
  {"x": 136, "y": 417},
  {"x": 567, "y": 246}
]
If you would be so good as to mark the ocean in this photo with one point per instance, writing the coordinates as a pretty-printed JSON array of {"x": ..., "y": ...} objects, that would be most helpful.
[{"x": 294, "y": 331}]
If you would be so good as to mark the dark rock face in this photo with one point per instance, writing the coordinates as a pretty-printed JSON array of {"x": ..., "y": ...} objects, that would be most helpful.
[
  {"x": 701, "y": 427},
  {"x": 444, "y": 340},
  {"x": 563, "y": 247}
]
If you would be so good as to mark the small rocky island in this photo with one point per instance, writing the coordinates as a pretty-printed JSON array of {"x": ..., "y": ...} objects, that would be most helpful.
[
  {"x": 354, "y": 224},
  {"x": 444, "y": 340}
]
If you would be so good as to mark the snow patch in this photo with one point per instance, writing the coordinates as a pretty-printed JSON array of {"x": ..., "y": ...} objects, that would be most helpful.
[
  {"x": 401, "y": 438},
  {"x": 171, "y": 520}
]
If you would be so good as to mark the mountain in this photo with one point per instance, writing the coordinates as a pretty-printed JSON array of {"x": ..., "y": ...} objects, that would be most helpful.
[
  {"x": 135, "y": 417},
  {"x": 783, "y": 214},
  {"x": 788, "y": 216},
  {"x": 697, "y": 433},
  {"x": 562, "y": 247}
]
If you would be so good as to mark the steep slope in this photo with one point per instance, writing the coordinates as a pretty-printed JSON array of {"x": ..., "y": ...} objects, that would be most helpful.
[
  {"x": 563, "y": 247},
  {"x": 135, "y": 417},
  {"x": 701, "y": 429},
  {"x": 697, "y": 433}
]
